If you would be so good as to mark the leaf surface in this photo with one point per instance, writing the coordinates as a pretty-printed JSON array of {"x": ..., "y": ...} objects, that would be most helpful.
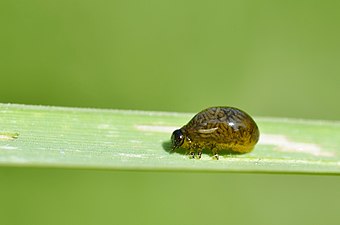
[{"x": 42, "y": 136}]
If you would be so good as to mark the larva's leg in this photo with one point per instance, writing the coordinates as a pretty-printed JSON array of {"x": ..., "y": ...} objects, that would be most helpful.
[
  {"x": 192, "y": 154},
  {"x": 214, "y": 151},
  {"x": 191, "y": 151},
  {"x": 215, "y": 154},
  {"x": 195, "y": 147},
  {"x": 199, "y": 153}
]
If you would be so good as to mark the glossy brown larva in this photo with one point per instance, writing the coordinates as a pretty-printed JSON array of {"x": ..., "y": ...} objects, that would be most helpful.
[{"x": 217, "y": 129}]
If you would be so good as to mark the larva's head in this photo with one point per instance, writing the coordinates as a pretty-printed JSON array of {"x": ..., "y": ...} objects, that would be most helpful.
[{"x": 177, "y": 139}]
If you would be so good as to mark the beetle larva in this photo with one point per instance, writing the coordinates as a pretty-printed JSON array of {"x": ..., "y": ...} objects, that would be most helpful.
[{"x": 217, "y": 129}]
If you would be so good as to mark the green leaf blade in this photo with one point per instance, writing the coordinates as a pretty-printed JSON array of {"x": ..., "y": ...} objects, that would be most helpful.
[{"x": 41, "y": 136}]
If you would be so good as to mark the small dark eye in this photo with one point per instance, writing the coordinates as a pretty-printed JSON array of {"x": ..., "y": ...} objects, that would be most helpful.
[{"x": 177, "y": 138}]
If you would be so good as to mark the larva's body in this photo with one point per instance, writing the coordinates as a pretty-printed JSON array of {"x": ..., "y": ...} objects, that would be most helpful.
[{"x": 217, "y": 129}]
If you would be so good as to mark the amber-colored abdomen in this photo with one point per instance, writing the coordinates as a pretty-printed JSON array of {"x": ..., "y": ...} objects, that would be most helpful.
[{"x": 221, "y": 128}]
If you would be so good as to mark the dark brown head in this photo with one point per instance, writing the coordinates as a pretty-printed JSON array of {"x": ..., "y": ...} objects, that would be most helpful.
[{"x": 177, "y": 139}]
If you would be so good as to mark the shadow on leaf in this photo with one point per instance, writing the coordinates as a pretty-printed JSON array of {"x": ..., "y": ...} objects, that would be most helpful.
[{"x": 227, "y": 153}]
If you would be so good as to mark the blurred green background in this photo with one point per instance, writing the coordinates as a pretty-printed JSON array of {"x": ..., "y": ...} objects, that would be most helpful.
[{"x": 270, "y": 58}]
